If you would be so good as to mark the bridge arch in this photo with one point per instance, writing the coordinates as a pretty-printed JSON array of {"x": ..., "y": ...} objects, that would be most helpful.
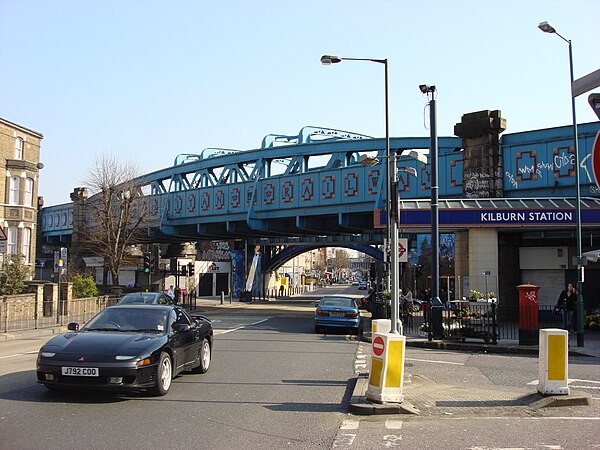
[{"x": 292, "y": 251}]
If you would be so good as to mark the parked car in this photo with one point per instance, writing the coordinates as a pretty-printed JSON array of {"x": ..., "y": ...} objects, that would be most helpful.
[
  {"x": 337, "y": 312},
  {"x": 362, "y": 286},
  {"x": 128, "y": 348},
  {"x": 145, "y": 298}
]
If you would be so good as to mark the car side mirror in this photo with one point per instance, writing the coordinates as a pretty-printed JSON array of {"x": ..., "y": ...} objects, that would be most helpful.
[
  {"x": 181, "y": 327},
  {"x": 73, "y": 326}
]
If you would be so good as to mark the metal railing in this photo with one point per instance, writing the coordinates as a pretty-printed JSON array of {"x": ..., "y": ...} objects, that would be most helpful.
[
  {"x": 20, "y": 314},
  {"x": 490, "y": 323}
]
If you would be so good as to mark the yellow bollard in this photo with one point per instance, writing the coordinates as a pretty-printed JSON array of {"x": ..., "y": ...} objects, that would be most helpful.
[
  {"x": 554, "y": 362},
  {"x": 387, "y": 368}
]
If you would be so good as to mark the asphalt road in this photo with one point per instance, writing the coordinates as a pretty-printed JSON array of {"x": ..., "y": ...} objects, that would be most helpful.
[{"x": 273, "y": 383}]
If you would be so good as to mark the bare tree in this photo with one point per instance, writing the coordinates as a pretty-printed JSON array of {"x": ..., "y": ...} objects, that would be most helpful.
[{"x": 117, "y": 219}]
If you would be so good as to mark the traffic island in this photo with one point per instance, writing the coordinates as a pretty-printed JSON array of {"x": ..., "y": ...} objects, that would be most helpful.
[
  {"x": 572, "y": 399},
  {"x": 360, "y": 404}
]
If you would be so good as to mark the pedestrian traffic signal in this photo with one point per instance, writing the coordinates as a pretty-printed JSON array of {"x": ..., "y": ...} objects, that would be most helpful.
[
  {"x": 153, "y": 264},
  {"x": 173, "y": 266},
  {"x": 184, "y": 270},
  {"x": 191, "y": 269},
  {"x": 147, "y": 262}
]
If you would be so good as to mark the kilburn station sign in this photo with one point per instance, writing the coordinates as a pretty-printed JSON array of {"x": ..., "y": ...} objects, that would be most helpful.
[{"x": 456, "y": 213}]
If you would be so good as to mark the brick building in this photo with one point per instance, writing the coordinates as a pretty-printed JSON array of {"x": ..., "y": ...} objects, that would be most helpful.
[{"x": 19, "y": 172}]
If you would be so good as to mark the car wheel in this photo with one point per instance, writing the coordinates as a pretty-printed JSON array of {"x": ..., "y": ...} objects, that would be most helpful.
[
  {"x": 204, "y": 356},
  {"x": 416, "y": 308},
  {"x": 317, "y": 329},
  {"x": 164, "y": 375}
]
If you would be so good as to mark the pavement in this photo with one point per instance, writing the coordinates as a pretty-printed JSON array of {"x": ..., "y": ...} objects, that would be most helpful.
[{"x": 422, "y": 395}]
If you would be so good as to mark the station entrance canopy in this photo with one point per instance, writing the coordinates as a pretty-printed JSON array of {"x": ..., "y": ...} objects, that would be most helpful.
[{"x": 499, "y": 213}]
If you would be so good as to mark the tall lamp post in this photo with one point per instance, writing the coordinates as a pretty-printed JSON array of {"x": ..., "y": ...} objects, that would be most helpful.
[
  {"x": 546, "y": 27},
  {"x": 435, "y": 225},
  {"x": 391, "y": 172}
]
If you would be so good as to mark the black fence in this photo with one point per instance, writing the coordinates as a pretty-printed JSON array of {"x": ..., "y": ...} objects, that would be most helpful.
[{"x": 463, "y": 321}]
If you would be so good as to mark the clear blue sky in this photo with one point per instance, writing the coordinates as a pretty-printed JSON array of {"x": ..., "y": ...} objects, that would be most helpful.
[{"x": 147, "y": 80}]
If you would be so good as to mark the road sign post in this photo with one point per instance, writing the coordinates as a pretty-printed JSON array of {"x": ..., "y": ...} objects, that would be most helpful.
[{"x": 596, "y": 159}]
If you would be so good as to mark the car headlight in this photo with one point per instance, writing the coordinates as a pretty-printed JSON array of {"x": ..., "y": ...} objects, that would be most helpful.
[
  {"x": 47, "y": 354},
  {"x": 124, "y": 357}
]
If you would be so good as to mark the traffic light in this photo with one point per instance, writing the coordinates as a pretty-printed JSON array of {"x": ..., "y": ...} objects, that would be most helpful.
[
  {"x": 156, "y": 259},
  {"x": 173, "y": 266},
  {"x": 147, "y": 262},
  {"x": 153, "y": 264},
  {"x": 184, "y": 270},
  {"x": 191, "y": 269}
]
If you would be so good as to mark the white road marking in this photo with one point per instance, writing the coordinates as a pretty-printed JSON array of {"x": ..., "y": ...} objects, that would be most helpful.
[
  {"x": 524, "y": 418},
  {"x": 570, "y": 380},
  {"x": 349, "y": 424},
  {"x": 391, "y": 440},
  {"x": 344, "y": 440},
  {"x": 19, "y": 354},
  {"x": 584, "y": 381},
  {"x": 435, "y": 361},
  {"x": 391, "y": 424},
  {"x": 240, "y": 328}
]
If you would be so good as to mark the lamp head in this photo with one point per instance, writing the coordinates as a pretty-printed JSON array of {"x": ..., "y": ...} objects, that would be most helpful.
[
  {"x": 425, "y": 88},
  {"x": 546, "y": 27},
  {"x": 368, "y": 161},
  {"x": 411, "y": 171},
  {"x": 330, "y": 59}
]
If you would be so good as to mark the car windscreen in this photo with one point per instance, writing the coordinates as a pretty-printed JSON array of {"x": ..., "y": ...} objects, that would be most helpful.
[
  {"x": 140, "y": 298},
  {"x": 338, "y": 302},
  {"x": 127, "y": 320}
]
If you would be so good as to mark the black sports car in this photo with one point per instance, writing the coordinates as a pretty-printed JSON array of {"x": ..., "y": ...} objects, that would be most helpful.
[{"x": 129, "y": 347}]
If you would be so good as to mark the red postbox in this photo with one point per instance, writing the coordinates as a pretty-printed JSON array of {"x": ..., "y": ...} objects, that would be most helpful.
[{"x": 528, "y": 314}]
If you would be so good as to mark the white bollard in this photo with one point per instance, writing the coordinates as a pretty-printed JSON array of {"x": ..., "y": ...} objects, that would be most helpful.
[
  {"x": 386, "y": 376},
  {"x": 554, "y": 362},
  {"x": 380, "y": 326}
]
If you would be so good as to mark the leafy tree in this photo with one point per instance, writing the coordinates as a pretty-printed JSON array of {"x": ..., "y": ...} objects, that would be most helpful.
[
  {"x": 14, "y": 274},
  {"x": 84, "y": 286},
  {"x": 117, "y": 218}
]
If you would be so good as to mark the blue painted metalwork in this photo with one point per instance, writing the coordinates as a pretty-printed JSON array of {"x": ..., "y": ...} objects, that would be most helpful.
[{"x": 315, "y": 185}]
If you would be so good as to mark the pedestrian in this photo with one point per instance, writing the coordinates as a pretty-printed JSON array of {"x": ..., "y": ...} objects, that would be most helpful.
[
  {"x": 408, "y": 307},
  {"x": 567, "y": 303},
  {"x": 171, "y": 292}
]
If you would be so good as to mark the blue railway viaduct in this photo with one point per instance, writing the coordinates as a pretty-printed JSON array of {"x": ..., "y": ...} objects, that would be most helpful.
[{"x": 311, "y": 190}]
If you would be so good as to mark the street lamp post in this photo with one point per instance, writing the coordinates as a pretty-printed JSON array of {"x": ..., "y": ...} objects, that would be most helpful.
[
  {"x": 435, "y": 226},
  {"x": 546, "y": 27},
  {"x": 391, "y": 173}
]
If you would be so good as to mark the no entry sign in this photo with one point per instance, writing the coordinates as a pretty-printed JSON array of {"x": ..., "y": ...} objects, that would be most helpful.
[{"x": 378, "y": 346}]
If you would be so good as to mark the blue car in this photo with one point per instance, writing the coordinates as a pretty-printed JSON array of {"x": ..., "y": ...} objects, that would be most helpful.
[{"x": 337, "y": 312}]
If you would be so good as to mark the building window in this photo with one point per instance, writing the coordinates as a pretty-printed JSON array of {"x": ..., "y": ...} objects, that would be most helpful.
[
  {"x": 15, "y": 187},
  {"x": 18, "y": 148},
  {"x": 11, "y": 247},
  {"x": 26, "y": 244},
  {"x": 28, "y": 200}
]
